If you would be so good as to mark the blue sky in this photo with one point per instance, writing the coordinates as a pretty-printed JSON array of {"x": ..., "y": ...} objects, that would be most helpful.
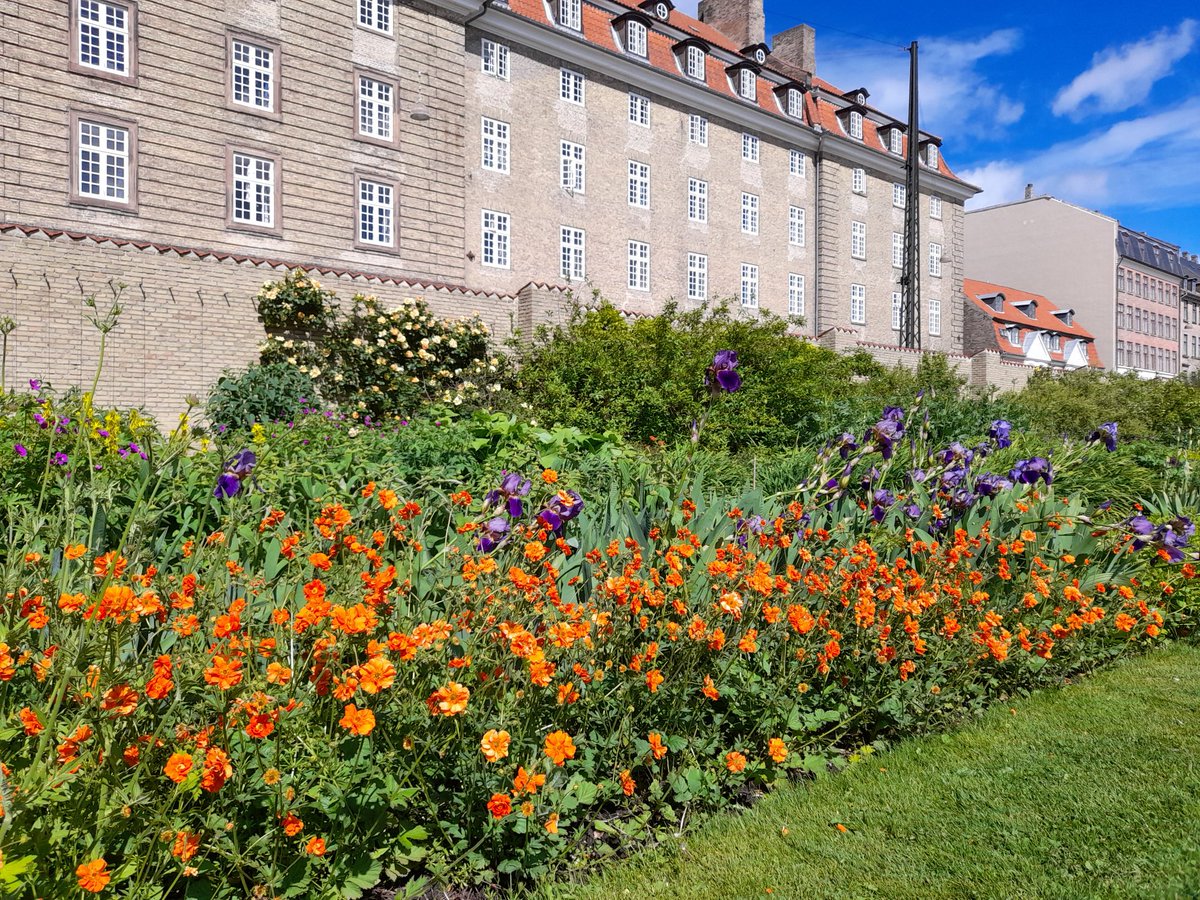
[{"x": 1097, "y": 103}]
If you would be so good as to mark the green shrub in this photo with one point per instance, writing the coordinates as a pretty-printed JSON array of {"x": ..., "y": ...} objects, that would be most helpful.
[{"x": 261, "y": 393}]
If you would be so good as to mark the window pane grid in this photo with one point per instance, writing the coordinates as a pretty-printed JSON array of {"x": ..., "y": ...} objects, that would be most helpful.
[
  {"x": 253, "y": 190},
  {"x": 374, "y": 108},
  {"x": 749, "y": 214},
  {"x": 376, "y": 14},
  {"x": 103, "y": 162},
  {"x": 252, "y": 75},
  {"x": 697, "y": 276},
  {"x": 573, "y": 170},
  {"x": 795, "y": 295},
  {"x": 749, "y": 295},
  {"x": 697, "y": 200},
  {"x": 103, "y": 36},
  {"x": 494, "y": 145},
  {"x": 572, "y": 253},
  {"x": 639, "y": 184},
  {"x": 495, "y": 59},
  {"x": 496, "y": 228},
  {"x": 639, "y": 266},
  {"x": 376, "y": 215},
  {"x": 796, "y": 226}
]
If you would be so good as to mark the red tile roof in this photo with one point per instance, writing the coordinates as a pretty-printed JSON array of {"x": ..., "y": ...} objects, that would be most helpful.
[{"x": 1042, "y": 320}]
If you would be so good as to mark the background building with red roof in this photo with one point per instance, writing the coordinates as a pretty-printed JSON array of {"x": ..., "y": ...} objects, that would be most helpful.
[{"x": 1026, "y": 328}]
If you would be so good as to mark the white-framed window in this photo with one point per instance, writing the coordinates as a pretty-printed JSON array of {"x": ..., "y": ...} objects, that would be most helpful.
[
  {"x": 103, "y": 163},
  {"x": 896, "y": 141},
  {"x": 639, "y": 184},
  {"x": 697, "y": 200},
  {"x": 931, "y": 156},
  {"x": 639, "y": 266},
  {"x": 639, "y": 109},
  {"x": 749, "y": 147},
  {"x": 795, "y": 294},
  {"x": 696, "y": 58},
  {"x": 749, "y": 213},
  {"x": 899, "y": 194},
  {"x": 698, "y": 130},
  {"x": 497, "y": 233},
  {"x": 858, "y": 181},
  {"x": 858, "y": 240},
  {"x": 253, "y": 191},
  {"x": 747, "y": 84},
  {"x": 935, "y": 260},
  {"x": 1053, "y": 341},
  {"x": 935, "y": 319},
  {"x": 635, "y": 38},
  {"x": 935, "y": 207},
  {"x": 573, "y": 171},
  {"x": 376, "y": 14},
  {"x": 376, "y": 104},
  {"x": 697, "y": 276},
  {"x": 570, "y": 86},
  {"x": 572, "y": 251},
  {"x": 796, "y": 163},
  {"x": 795, "y": 104},
  {"x": 253, "y": 75},
  {"x": 856, "y": 130},
  {"x": 494, "y": 59},
  {"x": 896, "y": 307},
  {"x": 376, "y": 213},
  {"x": 858, "y": 304},
  {"x": 495, "y": 145},
  {"x": 749, "y": 293},
  {"x": 570, "y": 14},
  {"x": 103, "y": 36},
  {"x": 796, "y": 226},
  {"x": 897, "y": 250},
  {"x": 1012, "y": 334}
]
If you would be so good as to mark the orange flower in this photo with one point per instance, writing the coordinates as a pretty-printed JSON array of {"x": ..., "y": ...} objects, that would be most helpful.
[
  {"x": 778, "y": 750},
  {"x": 120, "y": 699},
  {"x": 526, "y": 783},
  {"x": 449, "y": 700},
  {"x": 552, "y": 823},
  {"x": 559, "y": 747},
  {"x": 653, "y": 679},
  {"x": 656, "y": 745},
  {"x": 278, "y": 673},
  {"x": 627, "y": 783},
  {"x": 271, "y": 776},
  {"x": 178, "y": 766},
  {"x": 549, "y": 476},
  {"x": 315, "y": 846},
  {"x": 186, "y": 845},
  {"x": 260, "y": 726},
  {"x": 223, "y": 673},
  {"x": 292, "y": 824},
  {"x": 217, "y": 770},
  {"x": 93, "y": 876},
  {"x": 74, "y": 551},
  {"x": 494, "y": 745},
  {"x": 376, "y": 675},
  {"x": 710, "y": 689},
  {"x": 30, "y": 721},
  {"x": 357, "y": 721},
  {"x": 320, "y": 561},
  {"x": 499, "y": 806},
  {"x": 1124, "y": 622},
  {"x": 735, "y": 762}
]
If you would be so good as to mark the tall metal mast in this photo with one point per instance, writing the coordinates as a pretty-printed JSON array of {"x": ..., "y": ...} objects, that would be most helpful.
[{"x": 910, "y": 280}]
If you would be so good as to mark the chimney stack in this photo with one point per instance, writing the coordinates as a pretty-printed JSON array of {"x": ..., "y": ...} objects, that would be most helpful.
[
  {"x": 1029, "y": 192},
  {"x": 742, "y": 21},
  {"x": 796, "y": 50}
]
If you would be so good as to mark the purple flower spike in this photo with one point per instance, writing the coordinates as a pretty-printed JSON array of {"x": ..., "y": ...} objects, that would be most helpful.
[
  {"x": 1028, "y": 471},
  {"x": 999, "y": 432},
  {"x": 1105, "y": 434},
  {"x": 237, "y": 469},
  {"x": 722, "y": 374},
  {"x": 20, "y": 450}
]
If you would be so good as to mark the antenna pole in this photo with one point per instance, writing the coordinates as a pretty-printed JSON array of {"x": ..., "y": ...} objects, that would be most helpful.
[{"x": 910, "y": 280}]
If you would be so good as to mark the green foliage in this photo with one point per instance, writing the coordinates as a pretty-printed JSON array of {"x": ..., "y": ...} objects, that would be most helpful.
[{"x": 262, "y": 393}]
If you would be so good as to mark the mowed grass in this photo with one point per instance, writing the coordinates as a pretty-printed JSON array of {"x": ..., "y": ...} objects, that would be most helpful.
[{"x": 1092, "y": 790}]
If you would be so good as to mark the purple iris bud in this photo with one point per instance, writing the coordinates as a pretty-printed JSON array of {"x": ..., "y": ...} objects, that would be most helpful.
[
  {"x": 59, "y": 459},
  {"x": 34, "y": 384},
  {"x": 722, "y": 374},
  {"x": 20, "y": 450},
  {"x": 1105, "y": 434},
  {"x": 846, "y": 444},
  {"x": 237, "y": 469},
  {"x": 884, "y": 499},
  {"x": 1028, "y": 471},
  {"x": 999, "y": 432}
]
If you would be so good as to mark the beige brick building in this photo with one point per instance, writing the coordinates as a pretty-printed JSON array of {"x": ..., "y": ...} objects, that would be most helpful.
[{"x": 485, "y": 155}]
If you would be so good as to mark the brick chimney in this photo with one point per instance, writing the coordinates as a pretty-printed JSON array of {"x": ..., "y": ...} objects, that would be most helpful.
[
  {"x": 742, "y": 21},
  {"x": 1029, "y": 192},
  {"x": 795, "y": 51}
]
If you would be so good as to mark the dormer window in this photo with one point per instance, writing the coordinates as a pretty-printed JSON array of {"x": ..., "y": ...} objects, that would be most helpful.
[
  {"x": 660, "y": 9},
  {"x": 931, "y": 155},
  {"x": 695, "y": 61},
  {"x": 1028, "y": 307},
  {"x": 1012, "y": 334},
  {"x": 1053, "y": 342},
  {"x": 635, "y": 37},
  {"x": 570, "y": 14},
  {"x": 860, "y": 98},
  {"x": 855, "y": 128},
  {"x": 747, "y": 84},
  {"x": 994, "y": 301},
  {"x": 896, "y": 141},
  {"x": 1066, "y": 316}
]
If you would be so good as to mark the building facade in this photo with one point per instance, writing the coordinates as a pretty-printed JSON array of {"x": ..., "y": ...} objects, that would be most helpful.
[
  {"x": 1189, "y": 313},
  {"x": 1025, "y": 328},
  {"x": 486, "y": 156}
]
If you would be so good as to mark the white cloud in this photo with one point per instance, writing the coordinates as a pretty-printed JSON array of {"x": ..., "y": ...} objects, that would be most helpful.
[
  {"x": 1122, "y": 77},
  {"x": 955, "y": 95},
  {"x": 1149, "y": 162}
]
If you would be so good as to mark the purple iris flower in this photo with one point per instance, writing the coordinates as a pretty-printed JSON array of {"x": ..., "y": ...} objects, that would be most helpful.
[
  {"x": 1107, "y": 435},
  {"x": 990, "y": 484},
  {"x": 952, "y": 478},
  {"x": 59, "y": 459},
  {"x": 913, "y": 511},
  {"x": 888, "y": 430},
  {"x": 40, "y": 419},
  {"x": 237, "y": 470},
  {"x": 34, "y": 384},
  {"x": 512, "y": 488},
  {"x": 562, "y": 508},
  {"x": 999, "y": 432},
  {"x": 884, "y": 499},
  {"x": 956, "y": 451},
  {"x": 20, "y": 450},
  {"x": 494, "y": 532},
  {"x": 846, "y": 444},
  {"x": 722, "y": 374},
  {"x": 1028, "y": 471},
  {"x": 747, "y": 527}
]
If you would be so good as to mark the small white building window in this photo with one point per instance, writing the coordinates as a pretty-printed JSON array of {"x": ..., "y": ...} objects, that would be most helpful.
[
  {"x": 635, "y": 38},
  {"x": 495, "y": 145},
  {"x": 376, "y": 14},
  {"x": 935, "y": 207},
  {"x": 1012, "y": 334},
  {"x": 375, "y": 108},
  {"x": 749, "y": 148},
  {"x": 639, "y": 266},
  {"x": 899, "y": 194},
  {"x": 749, "y": 213},
  {"x": 858, "y": 304},
  {"x": 103, "y": 163},
  {"x": 935, "y": 260},
  {"x": 935, "y": 318},
  {"x": 896, "y": 310},
  {"x": 697, "y": 276},
  {"x": 856, "y": 125},
  {"x": 697, "y": 200},
  {"x": 931, "y": 156},
  {"x": 494, "y": 56},
  {"x": 747, "y": 84},
  {"x": 896, "y": 141},
  {"x": 253, "y": 191},
  {"x": 376, "y": 213},
  {"x": 749, "y": 294},
  {"x": 639, "y": 184},
  {"x": 696, "y": 62},
  {"x": 795, "y": 103},
  {"x": 639, "y": 109},
  {"x": 897, "y": 250},
  {"x": 858, "y": 240},
  {"x": 796, "y": 226},
  {"x": 572, "y": 252},
  {"x": 796, "y": 163},
  {"x": 858, "y": 181},
  {"x": 795, "y": 294},
  {"x": 497, "y": 229},
  {"x": 103, "y": 36},
  {"x": 573, "y": 172},
  {"x": 570, "y": 14},
  {"x": 253, "y": 75},
  {"x": 570, "y": 86},
  {"x": 698, "y": 130}
]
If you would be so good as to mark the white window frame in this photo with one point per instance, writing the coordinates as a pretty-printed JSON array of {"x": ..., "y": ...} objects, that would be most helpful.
[
  {"x": 639, "y": 266},
  {"x": 572, "y": 243},
  {"x": 935, "y": 316},
  {"x": 376, "y": 224},
  {"x": 931, "y": 155},
  {"x": 257, "y": 208},
  {"x": 858, "y": 304},
  {"x": 795, "y": 103},
  {"x": 495, "y": 239},
  {"x": 750, "y": 147},
  {"x": 858, "y": 240},
  {"x": 639, "y": 109},
  {"x": 494, "y": 145},
  {"x": 696, "y": 62},
  {"x": 252, "y": 74},
  {"x": 1012, "y": 334},
  {"x": 858, "y": 181},
  {"x": 375, "y": 15},
  {"x": 935, "y": 207},
  {"x": 897, "y": 250},
  {"x": 635, "y": 38},
  {"x": 896, "y": 141},
  {"x": 570, "y": 14},
  {"x": 749, "y": 290},
  {"x": 107, "y": 149},
  {"x": 796, "y": 226},
  {"x": 856, "y": 125},
  {"x": 639, "y": 184},
  {"x": 747, "y": 84},
  {"x": 935, "y": 260},
  {"x": 573, "y": 171},
  {"x": 698, "y": 130},
  {"x": 897, "y": 310},
  {"x": 697, "y": 285},
  {"x": 110, "y": 41},
  {"x": 571, "y": 86},
  {"x": 795, "y": 294},
  {"x": 493, "y": 59},
  {"x": 899, "y": 194},
  {"x": 749, "y": 213},
  {"x": 376, "y": 108},
  {"x": 697, "y": 200},
  {"x": 797, "y": 163}
]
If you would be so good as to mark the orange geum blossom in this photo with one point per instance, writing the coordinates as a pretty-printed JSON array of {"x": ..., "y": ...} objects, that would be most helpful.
[
  {"x": 260, "y": 726},
  {"x": 187, "y": 843},
  {"x": 93, "y": 876},
  {"x": 494, "y": 745},
  {"x": 271, "y": 776},
  {"x": 320, "y": 561},
  {"x": 657, "y": 747},
  {"x": 292, "y": 824},
  {"x": 356, "y": 619},
  {"x": 549, "y": 476},
  {"x": 30, "y": 721},
  {"x": 74, "y": 551},
  {"x": 120, "y": 700},
  {"x": 160, "y": 683},
  {"x": 224, "y": 673},
  {"x": 524, "y": 783},
  {"x": 654, "y": 678},
  {"x": 178, "y": 766},
  {"x": 627, "y": 783},
  {"x": 552, "y": 823},
  {"x": 357, "y": 721},
  {"x": 1124, "y": 622},
  {"x": 777, "y": 750},
  {"x": 735, "y": 762},
  {"x": 559, "y": 747},
  {"x": 500, "y": 805},
  {"x": 278, "y": 673},
  {"x": 315, "y": 846},
  {"x": 449, "y": 700},
  {"x": 710, "y": 689},
  {"x": 375, "y": 675},
  {"x": 217, "y": 770}
]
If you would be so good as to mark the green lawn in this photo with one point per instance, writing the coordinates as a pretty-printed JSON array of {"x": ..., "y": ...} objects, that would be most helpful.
[{"x": 1088, "y": 791}]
